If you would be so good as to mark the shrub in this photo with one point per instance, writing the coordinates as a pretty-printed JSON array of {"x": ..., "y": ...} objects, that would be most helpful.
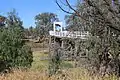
[
  {"x": 55, "y": 62},
  {"x": 13, "y": 51}
]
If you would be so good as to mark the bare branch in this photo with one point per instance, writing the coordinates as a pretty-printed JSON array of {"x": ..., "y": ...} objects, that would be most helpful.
[
  {"x": 76, "y": 12},
  {"x": 89, "y": 3},
  {"x": 63, "y": 3},
  {"x": 62, "y": 8}
]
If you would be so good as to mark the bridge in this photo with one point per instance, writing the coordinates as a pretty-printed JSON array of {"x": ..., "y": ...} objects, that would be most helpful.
[
  {"x": 69, "y": 34},
  {"x": 66, "y": 41},
  {"x": 58, "y": 32}
]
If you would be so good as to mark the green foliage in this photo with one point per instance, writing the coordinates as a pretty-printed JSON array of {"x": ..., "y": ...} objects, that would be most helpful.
[
  {"x": 101, "y": 19},
  {"x": 66, "y": 64},
  {"x": 44, "y": 23},
  {"x": 54, "y": 63},
  {"x": 12, "y": 48},
  {"x": 73, "y": 23},
  {"x": 13, "y": 51}
]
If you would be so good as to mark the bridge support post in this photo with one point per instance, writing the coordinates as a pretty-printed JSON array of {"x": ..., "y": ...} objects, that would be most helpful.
[
  {"x": 49, "y": 46},
  {"x": 75, "y": 54},
  {"x": 62, "y": 44}
]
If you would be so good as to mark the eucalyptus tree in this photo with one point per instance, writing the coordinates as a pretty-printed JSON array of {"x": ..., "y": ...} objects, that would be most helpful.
[
  {"x": 72, "y": 22},
  {"x": 44, "y": 22},
  {"x": 14, "y": 19},
  {"x": 102, "y": 17}
]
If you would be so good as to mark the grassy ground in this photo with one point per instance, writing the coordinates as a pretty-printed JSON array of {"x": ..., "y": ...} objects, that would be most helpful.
[
  {"x": 70, "y": 74},
  {"x": 37, "y": 63},
  {"x": 38, "y": 71}
]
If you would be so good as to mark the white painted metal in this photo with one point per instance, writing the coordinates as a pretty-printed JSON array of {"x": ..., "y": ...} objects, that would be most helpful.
[
  {"x": 57, "y": 23},
  {"x": 68, "y": 34},
  {"x": 75, "y": 34}
]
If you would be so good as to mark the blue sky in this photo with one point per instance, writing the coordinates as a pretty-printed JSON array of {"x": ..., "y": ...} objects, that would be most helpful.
[{"x": 27, "y": 9}]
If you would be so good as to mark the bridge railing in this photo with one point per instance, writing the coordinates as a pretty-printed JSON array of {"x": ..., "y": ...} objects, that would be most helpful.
[{"x": 70, "y": 34}]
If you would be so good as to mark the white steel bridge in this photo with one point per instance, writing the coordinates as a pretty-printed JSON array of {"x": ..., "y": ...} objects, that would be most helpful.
[{"x": 58, "y": 32}]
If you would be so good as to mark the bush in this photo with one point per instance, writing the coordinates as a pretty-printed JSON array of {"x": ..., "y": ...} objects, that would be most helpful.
[
  {"x": 55, "y": 62},
  {"x": 13, "y": 51}
]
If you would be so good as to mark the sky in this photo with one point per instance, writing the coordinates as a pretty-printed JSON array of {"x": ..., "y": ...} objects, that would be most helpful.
[{"x": 28, "y": 9}]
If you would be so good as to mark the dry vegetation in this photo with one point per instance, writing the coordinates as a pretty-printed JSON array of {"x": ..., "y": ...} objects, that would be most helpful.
[
  {"x": 71, "y": 74},
  {"x": 38, "y": 71}
]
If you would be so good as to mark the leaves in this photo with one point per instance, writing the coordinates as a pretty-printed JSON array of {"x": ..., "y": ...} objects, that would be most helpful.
[
  {"x": 44, "y": 23},
  {"x": 13, "y": 50}
]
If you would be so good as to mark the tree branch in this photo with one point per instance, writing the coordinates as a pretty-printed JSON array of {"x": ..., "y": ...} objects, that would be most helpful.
[{"x": 62, "y": 8}]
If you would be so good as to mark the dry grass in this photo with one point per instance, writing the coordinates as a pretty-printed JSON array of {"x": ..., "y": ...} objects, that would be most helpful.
[
  {"x": 37, "y": 46},
  {"x": 71, "y": 74},
  {"x": 24, "y": 75},
  {"x": 38, "y": 71},
  {"x": 37, "y": 63}
]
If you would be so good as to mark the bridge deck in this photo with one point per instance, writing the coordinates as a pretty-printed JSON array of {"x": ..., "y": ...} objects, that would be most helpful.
[{"x": 69, "y": 34}]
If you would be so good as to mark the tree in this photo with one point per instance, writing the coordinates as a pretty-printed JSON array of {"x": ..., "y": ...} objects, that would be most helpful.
[
  {"x": 103, "y": 21},
  {"x": 2, "y": 20},
  {"x": 13, "y": 19},
  {"x": 55, "y": 58},
  {"x": 73, "y": 23},
  {"x": 27, "y": 33},
  {"x": 13, "y": 51},
  {"x": 44, "y": 22}
]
